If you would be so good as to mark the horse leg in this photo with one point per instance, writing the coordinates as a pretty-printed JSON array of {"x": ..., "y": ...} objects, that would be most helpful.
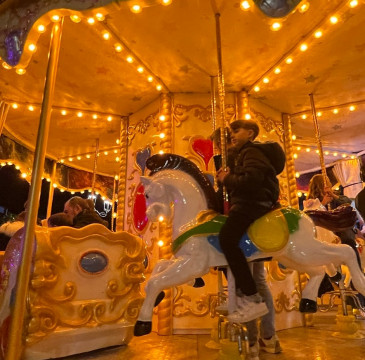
[{"x": 179, "y": 272}]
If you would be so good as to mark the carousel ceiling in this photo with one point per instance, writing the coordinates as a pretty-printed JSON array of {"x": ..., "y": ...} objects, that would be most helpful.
[{"x": 318, "y": 49}]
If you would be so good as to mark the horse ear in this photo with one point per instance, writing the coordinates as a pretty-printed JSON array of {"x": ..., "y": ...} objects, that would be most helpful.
[{"x": 145, "y": 181}]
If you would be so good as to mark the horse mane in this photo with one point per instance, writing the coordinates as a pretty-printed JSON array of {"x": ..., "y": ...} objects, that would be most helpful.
[{"x": 159, "y": 162}]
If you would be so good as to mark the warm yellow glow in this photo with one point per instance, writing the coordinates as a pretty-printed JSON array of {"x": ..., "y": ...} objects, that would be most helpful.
[
  {"x": 297, "y": 174},
  {"x": 17, "y": 167},
  {"x": 88, "y": 156},
  {"x": 303, "y": 47},
  {"x": 353, "y": 3},
  {"x": 299, "y": 148},
  {"x": 3, "y": 164},
  {"x": 304, "y": 7},
  {"x": 32, "y": 47},
  {"x": 161, "y": 152},
  {"x": 136, "y": 8},
  {"x": 130, "y": 59},
  {"x": 48, "y": 180},
  {"x": 352, "y": 108},
  {"x": 277, "y": 71},
  {"x": 245, "y": 5},
  {"x": 289, "y": 60},
  {"x": 63, "y": 112},
  {"x": 109, "y": 118},
  {"x": 79, "y": 114},
  {"x": 117, "y": 141},
  {"x": 294, "y": 137},
  {"x": 162, "y": 135},
  {"x": 117, "y": 159},
  {"x": 353, "y": 156},
  {"x": 326, "y": 152},
  {"x": 307, "y": 149},
  {"x": 75, "y": 18},
  {"x": 335, "y": 111},
  {"x": 266, "y": 80},
  {"x": 114, "y": 215},
  {"x": 317, "y": 151},
  {"x": 304, "y": 116},
  {"x": 335, "y": 154},
  {"x": 140, "y": 69},
  {"x": 91, "y": 21},
  {"x": 275, "y": 26},
  {"x": 105, "y": 153},
  {"x": 100, "y": 16},
  {"x": 166, "y": 2},
  {"x": 10, "y": 163},
  {"x": 256, "y": 88},
  {"x": 116, "y": 177},
  {"x": 295, "y": 156},
  {"x": 31, "y": 108},
  {"x": 62, "y": 161},
  {"x": 150, "y": 79},
  {"x": 55, "y": 18},
  {"x": 162, "y": 117},
  {"x": 70, "y": 159},
  {"x": 334, "y": 19},
  {"x": 160, "y": 243},
  {"x": 106, "y": 35},
  {"x": 299, "y": 193},
  {"x": 72, "y": 192},
  {"x": 344, "y": 155},
  {"x": 319, "y": 113},
  {"x": 118, "y": 47},
  {"x": 54, "y": 185},
  {"x": 6, "y": 66},
  {"x": 41, "y": 28},
  {"x": 318, "y": 34},
  {"x": 20, "y": 71},
  {"x": 78, "y": 158},
  {"x": 24, "y": 175},
  {"x": 247, "y": 116},
  {"x": 95, "y": 116},
  {"x": 62, "y": 190},
  {"x": 115, "y": 151},
  {"x": 161, "y": 218},
  {"x": 14, "y": 105},
  {"x": 159, "y": 87}
]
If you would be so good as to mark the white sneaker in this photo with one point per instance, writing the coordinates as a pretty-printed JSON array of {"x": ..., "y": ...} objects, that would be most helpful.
[
  {"x": 254, "y": 352},
  {"x": 271, "y": 346},
  {"x": 247, "y": 311}
]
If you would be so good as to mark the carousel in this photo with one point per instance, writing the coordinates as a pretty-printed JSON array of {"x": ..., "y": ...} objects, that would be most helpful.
[{"x": 116, "y": 101}]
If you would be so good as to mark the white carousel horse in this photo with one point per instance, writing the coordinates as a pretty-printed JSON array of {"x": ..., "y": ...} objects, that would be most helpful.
[{"x": 176, "y": 189}]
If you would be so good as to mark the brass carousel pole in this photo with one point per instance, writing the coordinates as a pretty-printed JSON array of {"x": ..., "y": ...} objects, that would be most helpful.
[
  {"x": 165, "y": 308},
  {"x": 113, "y": 201},
  {"x": 17, "y": 329},
  {"x": 319, "y": 141},
  {"x": 51, "y": 190},
  {"x": 95, "y": 167},
  {"x": 122, "y": 183},
  {"x": 289, "y": 163},
  {"x": 4, "y": 108},
  {"x": 213, "y": 102},
  {"x": 242, "y": 105}
]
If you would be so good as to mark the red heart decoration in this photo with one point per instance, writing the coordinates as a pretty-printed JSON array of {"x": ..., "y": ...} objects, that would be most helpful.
[
  {"x": 204, "y": 148},
  {"x": 140, "y": 219}
]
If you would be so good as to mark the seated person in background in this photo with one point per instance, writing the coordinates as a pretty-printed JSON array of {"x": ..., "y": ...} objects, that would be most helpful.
[
  {"x": 8, "y": 229},
  {"x": 80, "y": 212},
  {"x": 59, "y": 219}
]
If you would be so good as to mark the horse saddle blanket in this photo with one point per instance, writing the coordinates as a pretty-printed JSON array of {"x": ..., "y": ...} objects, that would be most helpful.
[{"x": 267, "y": 234}]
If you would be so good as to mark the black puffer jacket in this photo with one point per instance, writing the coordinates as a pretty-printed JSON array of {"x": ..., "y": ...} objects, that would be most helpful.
[
  {"x": 87, "y": 217},
  {"x": 252, "y": 183}
]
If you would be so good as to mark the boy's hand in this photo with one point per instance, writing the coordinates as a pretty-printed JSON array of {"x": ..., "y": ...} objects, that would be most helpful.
[{"x": 222, "y": 173}]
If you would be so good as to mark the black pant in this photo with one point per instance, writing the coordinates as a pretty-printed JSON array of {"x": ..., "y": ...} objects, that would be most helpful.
[{"x": 230, "y": 235}]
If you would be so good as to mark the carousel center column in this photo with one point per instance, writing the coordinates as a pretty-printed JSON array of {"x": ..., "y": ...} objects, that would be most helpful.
[
  {"x": 164, "y": 315},
  {"x": 122, "y": 183}
]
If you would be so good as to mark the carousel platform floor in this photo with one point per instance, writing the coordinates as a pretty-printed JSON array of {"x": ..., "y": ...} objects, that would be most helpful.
[{"x": 309, "y": 343}]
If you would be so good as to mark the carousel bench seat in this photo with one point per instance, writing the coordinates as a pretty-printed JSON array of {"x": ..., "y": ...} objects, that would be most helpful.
[{"x": 84, "y": 290}]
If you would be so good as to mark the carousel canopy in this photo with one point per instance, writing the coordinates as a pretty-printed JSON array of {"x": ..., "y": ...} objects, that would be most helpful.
[{"x": 114, "y": 62}]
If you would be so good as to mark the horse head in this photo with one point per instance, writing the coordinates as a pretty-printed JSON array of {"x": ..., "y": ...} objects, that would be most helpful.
[{"x": 157, "y": 199}]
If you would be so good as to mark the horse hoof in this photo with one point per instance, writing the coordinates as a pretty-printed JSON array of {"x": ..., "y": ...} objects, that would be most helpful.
[
  {"x": 307, "y": 306},
  {"x": 199, "y": 282},
  {"x": 159, "y": 298},
  {"x": 142, "y": 328}
]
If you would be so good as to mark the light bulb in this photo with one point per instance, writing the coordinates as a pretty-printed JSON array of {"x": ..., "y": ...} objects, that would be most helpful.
[
  {"x": 245, "y": 5},
  {"x": 63, "y": 112},
  {"x": 32, "y": 47},
  {"x": 159, "y": 87},
  {"x": 162, "y": 117},
  {"x": 95, "y": 116},
  {"x": 140, "y": 69},
  {"x": 318, "y": 34},
  {"x": 41, "y": 28},
  {"x": 352, "y": 108},
  {"x": 75, "y": 18},
  {"x": 14, "y": 105},
  {"x": 91, "y": 21},
  {"x": 118, "y": 47},
  {"x": 289, "y": 60},
  {"x": 136, "y": 8},
  {"x": 334, "y": 19},
  {"x": 303, "y": 47},
  {"x": 275, "y": 26},
  {"x": 130, "y": 59},
  {"x": 162, "y": 135},
  {"x": 100, "y": 16},
  {"x": 265, "y": 80},
  {"x": 150, "y": 79},
  {"x": 31, "y": 108},
  {"x": 304, "y": 116},
  {"x": 106, "y": 35},
  {"x": 109, "y": 118},
  {"x": 277, "y": 71},
  {"x": 79, "y": 114},
  {"x": 257, "y": 88},
  {"x": 55, "y": 18},
  {"x": 335, "y": 111}
]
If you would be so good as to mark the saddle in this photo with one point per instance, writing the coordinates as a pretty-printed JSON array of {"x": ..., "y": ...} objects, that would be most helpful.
[{"x": 339, "y": 219}]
